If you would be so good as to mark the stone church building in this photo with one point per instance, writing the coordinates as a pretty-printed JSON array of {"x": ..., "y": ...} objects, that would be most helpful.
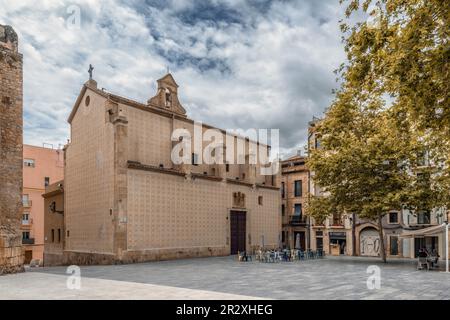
[
  {"x": 11, "y": 100},
  {"x": 126, "y": 201}
]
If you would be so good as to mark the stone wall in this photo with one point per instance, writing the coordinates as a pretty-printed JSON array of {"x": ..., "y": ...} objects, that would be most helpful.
[{"x": 11, "y": 256}]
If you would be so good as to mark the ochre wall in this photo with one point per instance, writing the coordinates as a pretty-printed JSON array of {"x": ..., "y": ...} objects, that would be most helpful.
[
  {"x": 89, "y": 179},
  {"x": 167, "y": 211}
]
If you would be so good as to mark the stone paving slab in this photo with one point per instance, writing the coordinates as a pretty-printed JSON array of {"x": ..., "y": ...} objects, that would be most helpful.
[
  {"x": 45, "y": 286},
  {"x": 329, "y": 278}
]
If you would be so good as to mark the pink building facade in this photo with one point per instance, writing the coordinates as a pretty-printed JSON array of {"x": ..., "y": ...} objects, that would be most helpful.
[{"x": 41, "y": 167}]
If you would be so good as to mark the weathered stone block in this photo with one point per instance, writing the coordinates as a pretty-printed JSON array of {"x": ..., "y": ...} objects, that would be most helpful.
[{"x": 11, "y": 123}]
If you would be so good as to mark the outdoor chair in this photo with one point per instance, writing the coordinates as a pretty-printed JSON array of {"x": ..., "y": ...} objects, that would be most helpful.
[
  {"x": 422, "y": 262},
  {"x": 301, "y": 255},
  {"x": 320, "y": 253}
]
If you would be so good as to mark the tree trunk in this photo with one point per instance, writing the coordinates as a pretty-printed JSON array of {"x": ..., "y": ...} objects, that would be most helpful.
[{"x": 380, "y": 231}]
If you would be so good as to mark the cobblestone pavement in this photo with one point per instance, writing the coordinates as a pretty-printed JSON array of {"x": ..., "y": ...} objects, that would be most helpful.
[{"x": 225, "y": 278}]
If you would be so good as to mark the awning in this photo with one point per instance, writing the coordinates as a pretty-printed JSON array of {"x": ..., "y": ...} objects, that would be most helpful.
[{"x": 425, "y": 232}]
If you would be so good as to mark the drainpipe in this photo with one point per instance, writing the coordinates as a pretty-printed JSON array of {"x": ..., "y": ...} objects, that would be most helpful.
[
  {"x": 353, "y": 234},
  {"x": 446, "y": 247}
]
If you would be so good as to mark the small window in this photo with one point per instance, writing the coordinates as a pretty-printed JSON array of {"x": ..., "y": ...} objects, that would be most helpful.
[
  {"x": 423, "y": 217},
  {"x": 336, "y": 219},
  {"x": 26, "y": 202},
  {"x": 260, "y": 200},
  {"x": 26, "y": 235},
  {"x": 317, "y": 143},
  {"x": 53, "y": 235},
  {"x": 87, "y": 101},
  {"x": 298, "y": 209},
  {"x": 227, "y": 167},
  {"x": 283, "y": 210},
  {"x": 46, "y": 181},
  {"x": 393, "y": 217},
  {"x": 282, "y": 190},
  {"x": 26, "y": 218},
  {"x": 298, "y": 188},
  {"x": 68, "y": 233},
  {"x": 195, "y": 159},
  {"x": 29, "y": 163},
  {"x": 59, "y": 235}
]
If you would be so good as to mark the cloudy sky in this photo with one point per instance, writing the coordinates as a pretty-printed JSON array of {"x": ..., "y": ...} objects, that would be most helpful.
[{"x": 239, "y": 64}]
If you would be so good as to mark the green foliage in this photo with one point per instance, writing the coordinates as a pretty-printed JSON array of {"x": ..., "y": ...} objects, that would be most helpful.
[{"x": 392, "y": 108}]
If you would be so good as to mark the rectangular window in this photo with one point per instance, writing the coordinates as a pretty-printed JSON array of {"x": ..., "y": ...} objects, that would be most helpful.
[
  {"x": 336, "y": 219},
  {"x": 423, "y": 217},
  {"x": 25, "y": 235},
  {"x": 283, "y": 210},
  {"x": 26, "y": 218},
  {"x": 53, "y": 235},
  {"x": 26, "y": 202},
  {"x": 298, "y": 209},
  {"x": 195, "y": 159},
  {"x": 59, "y": 235},
  {"x": 317, "y": 143},
  {"x": 393, "y": 217},
  {"x": 227, "y": 167},
  {"x": 29, "y": 163},
  {"x": 46, "y": 181},
  {"x": 260, "y": 200},
  {"x": 298, "y": 188},
  {"x": 282, "y": 190}
]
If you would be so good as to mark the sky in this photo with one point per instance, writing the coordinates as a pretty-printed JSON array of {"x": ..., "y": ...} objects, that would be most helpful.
[{"x": 239, "y": 63}]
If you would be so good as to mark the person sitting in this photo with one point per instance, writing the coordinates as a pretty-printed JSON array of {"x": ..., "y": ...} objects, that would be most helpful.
[
  {"x": 423, "y": 253},
  {"x": 434, "y": 258}
]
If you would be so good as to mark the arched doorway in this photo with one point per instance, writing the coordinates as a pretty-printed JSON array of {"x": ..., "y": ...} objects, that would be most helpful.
[{"x": 369, "y": 242}]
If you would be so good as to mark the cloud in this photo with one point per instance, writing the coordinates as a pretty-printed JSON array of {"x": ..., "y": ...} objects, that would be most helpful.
[{"x": 239, "y": 64}]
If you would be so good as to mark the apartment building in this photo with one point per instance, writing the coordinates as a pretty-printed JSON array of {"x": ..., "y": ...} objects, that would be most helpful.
[
  {"x": 42, "y": 166},
  {"x": 294, "y": 193}
]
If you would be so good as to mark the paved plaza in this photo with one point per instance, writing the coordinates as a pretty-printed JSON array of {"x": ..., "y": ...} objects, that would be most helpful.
[{"x": 226, "y": 278}]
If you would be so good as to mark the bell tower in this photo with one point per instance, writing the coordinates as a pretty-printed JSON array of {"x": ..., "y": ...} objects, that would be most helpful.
[{"x": 166, "y": 97}]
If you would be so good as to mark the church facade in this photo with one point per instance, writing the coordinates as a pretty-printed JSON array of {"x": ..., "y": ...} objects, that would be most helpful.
[{"x": 127, "y": 201}]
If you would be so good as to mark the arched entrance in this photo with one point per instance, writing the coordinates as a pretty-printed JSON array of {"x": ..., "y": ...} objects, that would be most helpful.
[{"x": 369, "y": 242}]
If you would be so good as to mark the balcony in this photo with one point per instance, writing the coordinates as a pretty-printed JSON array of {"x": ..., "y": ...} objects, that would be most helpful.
[
  {"x": 297, "y": 220},
  {"x": 27, "y": 203},
  {"x": 28, "y": 241}
]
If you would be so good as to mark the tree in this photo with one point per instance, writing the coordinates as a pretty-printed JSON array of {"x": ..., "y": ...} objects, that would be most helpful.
[
  {"x": 402, "y": 52},
  {"x": 362, "y": 163},
  {"x": 392, "y": 107}
]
